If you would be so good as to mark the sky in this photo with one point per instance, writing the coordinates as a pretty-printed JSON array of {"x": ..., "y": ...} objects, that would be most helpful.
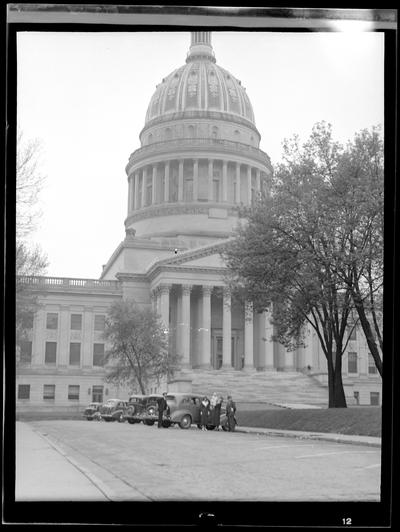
[{"x": 85, "y": 96}]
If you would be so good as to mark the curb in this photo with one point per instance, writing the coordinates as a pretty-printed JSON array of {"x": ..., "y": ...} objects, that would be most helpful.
[{"x": 337, "y": 438}]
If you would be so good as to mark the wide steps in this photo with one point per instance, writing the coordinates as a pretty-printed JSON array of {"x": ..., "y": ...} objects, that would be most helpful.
[{"x": 268, "y": 387}]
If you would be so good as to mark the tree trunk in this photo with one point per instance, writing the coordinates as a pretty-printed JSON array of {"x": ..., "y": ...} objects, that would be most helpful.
[
  {"x": 331, "y": 384},
  {"x": 339, "y": 396},
  {"x": 367, "y": 332}
]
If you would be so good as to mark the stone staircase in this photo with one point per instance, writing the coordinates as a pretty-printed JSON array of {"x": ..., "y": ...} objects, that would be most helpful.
[{"x": 274, "y": 388}]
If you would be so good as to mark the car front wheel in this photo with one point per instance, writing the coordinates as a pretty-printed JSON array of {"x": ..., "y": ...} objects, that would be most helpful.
[{"x": 185, "y": 422}]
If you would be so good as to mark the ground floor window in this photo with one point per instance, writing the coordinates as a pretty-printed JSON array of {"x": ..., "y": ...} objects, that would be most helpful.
[
  {"x": 49, "y": 391},
  {"x": 374, "y": 398},
  {"x": 24, "y": 391},
  {"x": 73, "y": 392},
  {"x": 97, "y": 394}
]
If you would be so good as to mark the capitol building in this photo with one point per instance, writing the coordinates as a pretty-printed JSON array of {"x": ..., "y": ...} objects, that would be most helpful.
[{"x": 198, "y": 162}]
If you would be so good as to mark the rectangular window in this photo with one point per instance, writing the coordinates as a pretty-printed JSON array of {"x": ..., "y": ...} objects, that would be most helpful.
[
  {"x": 216, "y": 190},
  {"x": 50, "y": 353},
  {"x": 97, "y": 394},
  {"x": 371, "y": 365},
  {"x": 52, "y": 320},
  {"x": 188, "y": 190},
  {"x": 73, "y": 392},
  {"x": 99, "y": 322},
  {"x": 24, "y": 391},
  {"x": 26, "y": 352},
  {"x": 27, "y": 320},
  {"x": 98, "y": 354},
  {"x": 49, "y": 391},
  {"x": 352, "y": 363},
  {"x": 374, "y": 398},
  {"x": 76, "y": 322},
  {"x": 74, "y": 354}
]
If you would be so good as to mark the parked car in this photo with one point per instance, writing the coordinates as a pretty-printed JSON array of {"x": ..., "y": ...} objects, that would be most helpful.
[
  {"x": 149, "y": 415},
  {"x": 184, "y": 410},
  {"x": 114, "y": 410},
  {"x": 92, "y": 411},
  {"x": 136, "y": 405}
]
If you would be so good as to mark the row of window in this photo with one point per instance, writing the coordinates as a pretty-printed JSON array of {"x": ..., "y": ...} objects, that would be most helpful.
[
  {"x": 75, "y": 323},
  {"x": 352, "y": 363},
  {"x": 374, "y": 398},
  {"x": 49, "y": 392},
  {"x": 50, "y": 356}
]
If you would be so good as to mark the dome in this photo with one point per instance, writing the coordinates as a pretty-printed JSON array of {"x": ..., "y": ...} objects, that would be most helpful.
[{"x": 200, "y": 85}]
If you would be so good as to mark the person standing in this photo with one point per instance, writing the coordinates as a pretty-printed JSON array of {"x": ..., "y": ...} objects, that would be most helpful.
[
  {"x": 204, "y": 413},
  {"x": 162, "y": 407},
  {"x": 230, "y": 413},
  {"x": 217, "y": 411},
  {"x": 213, "y": 404}
]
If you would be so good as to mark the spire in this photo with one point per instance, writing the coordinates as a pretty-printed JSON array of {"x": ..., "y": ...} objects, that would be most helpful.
[{"x": 200, "y": 47}]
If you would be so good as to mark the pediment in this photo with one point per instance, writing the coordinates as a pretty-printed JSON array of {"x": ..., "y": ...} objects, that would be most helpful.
[{"x": 207, "y": 256}]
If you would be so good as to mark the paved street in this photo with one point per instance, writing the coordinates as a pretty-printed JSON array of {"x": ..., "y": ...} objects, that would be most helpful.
[{"x": 137, "y": 462}]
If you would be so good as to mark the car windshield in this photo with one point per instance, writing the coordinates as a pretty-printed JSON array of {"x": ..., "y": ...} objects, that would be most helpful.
[
  {"x": 171, "y": 398},
  {"x": 135, "y": 400},
  {"x": 111, "y": 402},
  {"x": 93, "y": 405}
]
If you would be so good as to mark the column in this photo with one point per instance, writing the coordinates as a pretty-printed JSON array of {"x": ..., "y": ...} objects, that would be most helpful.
[
  {"x": 158, "y": 301},
  {"x": 237, "y": 183},
  {"x": 249, "y": 185},
  {"x": 185, "y": 329},
  {"x": 289, "y": 361},
  {"x": 144, "y": 186},
  {"x": 153, "y": 188},
  {"x": 206, "y": 326},
  {"x": 266, "y": 345},
  {"x": 180, "y": 181},
  {"x": 130, "y": 193},
  {"x": 224, "y": 181},
  {"x": 164, "y": 304},
  {"x": 87, "y": 338},
  {"x": 63, "y": 338},
  {"x": 136, "y": 198},
  {"x": 195, "y": 179},
  {"x": 258, "y": 180},
  {"x": 153, "y": 298},
  {"x": 226, "y": 328},
  {"x": 39, "y": 337},
  {"x": 248, "y": 335},
  {"x": 166, "y": 182},
  {"x": 210, "y": 179}
]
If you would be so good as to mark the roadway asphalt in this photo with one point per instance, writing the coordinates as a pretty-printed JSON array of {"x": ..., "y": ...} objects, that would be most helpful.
[{"x": 34, "y": 453}]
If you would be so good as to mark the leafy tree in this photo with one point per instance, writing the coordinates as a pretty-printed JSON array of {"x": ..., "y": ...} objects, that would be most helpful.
[
  {"x": 289, "y": 250},
  {"x": 30, "y": 260},
  {"x": 138, "y": 351},
  {"x": 360, "y": 187}
]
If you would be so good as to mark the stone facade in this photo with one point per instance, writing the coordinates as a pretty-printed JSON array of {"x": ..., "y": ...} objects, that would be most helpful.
[{"x": 199, "y": 161}]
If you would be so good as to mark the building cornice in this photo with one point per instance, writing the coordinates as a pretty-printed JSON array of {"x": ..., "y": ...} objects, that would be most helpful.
[{"x": 172, "y": 209}]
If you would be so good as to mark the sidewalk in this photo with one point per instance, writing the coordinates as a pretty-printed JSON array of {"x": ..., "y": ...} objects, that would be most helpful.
[
  {"x": 338, "y": 438},
  {"x": 40, "y": 466}
]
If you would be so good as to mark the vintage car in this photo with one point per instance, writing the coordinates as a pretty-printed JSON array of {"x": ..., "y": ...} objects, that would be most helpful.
[
  {"x": 92, "y": 411},
  {"x": 114, "y": 410},
  {"x": 184, "y": 410},
  {"x": 136, "y": 405},
  {"x": 149, "y": 413}
]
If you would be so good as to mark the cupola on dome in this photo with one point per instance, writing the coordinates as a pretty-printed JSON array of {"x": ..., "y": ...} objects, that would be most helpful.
[{"x": 200, "y": 85}]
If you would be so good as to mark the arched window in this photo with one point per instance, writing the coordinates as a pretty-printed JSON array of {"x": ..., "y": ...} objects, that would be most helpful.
[
  {"x": 168, "y": 133},
  {"x": 191, "y": 132},
  {"x": 214, "y": 132},
  {"x": 150, "y": 139}
]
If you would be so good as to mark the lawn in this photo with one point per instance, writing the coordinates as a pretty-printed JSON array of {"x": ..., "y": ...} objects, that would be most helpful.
[{"x": 365, "y": 421}]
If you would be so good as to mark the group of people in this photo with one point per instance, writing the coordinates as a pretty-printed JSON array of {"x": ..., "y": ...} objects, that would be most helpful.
[{"x": 210, "y": 412}]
